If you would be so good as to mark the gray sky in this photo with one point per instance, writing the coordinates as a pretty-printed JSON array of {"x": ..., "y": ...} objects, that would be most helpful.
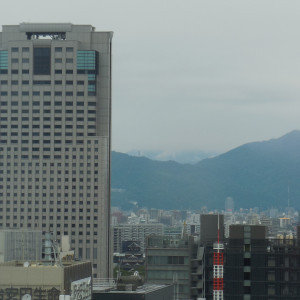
[{"x": 191, "y": 74}]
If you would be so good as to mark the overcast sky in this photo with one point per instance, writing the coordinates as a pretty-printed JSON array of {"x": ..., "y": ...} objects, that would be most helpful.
[{"x": 191, "y": 74}]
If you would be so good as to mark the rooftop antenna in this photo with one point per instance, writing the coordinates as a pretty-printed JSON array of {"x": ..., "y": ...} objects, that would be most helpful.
[
  {"x": 288, "y": 195},
  {"x": 218, "y": 267}
]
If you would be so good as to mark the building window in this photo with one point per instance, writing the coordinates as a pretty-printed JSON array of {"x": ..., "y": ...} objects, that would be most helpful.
[{"x": 42, "y": 61}]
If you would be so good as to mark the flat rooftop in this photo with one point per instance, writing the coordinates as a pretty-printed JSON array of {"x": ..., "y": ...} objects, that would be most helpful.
[{"x": 39, "y": 264}]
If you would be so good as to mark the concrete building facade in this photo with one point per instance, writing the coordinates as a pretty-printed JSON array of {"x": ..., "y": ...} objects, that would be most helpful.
[
  {"x": 20, "y": 245},
  {"x": 55, "y": 134},
  {"x": 168, "y": 261}
]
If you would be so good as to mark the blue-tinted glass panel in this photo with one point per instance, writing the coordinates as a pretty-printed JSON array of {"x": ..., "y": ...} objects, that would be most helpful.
[
  {"x": 42, "y": 61},
  {"x": 3, "y": 60},
  {"x": 87, "y": 62}
]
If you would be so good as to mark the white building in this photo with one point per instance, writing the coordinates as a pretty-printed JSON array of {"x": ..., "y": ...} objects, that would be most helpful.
[{"x": 135, "y": 232}]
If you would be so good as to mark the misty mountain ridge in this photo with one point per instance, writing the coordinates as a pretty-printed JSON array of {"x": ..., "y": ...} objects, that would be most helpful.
[
  {"x": 183, "y": 157},
  {"x": 254, "y": 174}
]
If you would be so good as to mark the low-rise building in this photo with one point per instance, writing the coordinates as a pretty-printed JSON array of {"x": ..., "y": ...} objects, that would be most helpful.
[{"x": 39, "y": 281}]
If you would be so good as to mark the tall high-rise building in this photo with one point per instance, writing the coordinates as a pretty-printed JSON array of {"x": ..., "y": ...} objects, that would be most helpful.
[{"x": 55, "y": 134}]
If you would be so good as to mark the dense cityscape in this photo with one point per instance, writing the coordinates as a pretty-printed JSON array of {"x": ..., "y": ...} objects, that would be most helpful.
[{"x": 79, "y": 221}]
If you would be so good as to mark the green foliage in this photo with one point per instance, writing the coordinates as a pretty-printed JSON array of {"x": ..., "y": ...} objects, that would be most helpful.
[{"x": 140, "y": 269}]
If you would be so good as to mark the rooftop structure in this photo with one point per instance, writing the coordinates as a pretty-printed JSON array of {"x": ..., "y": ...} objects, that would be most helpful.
[{"x": 23, "y": 280}]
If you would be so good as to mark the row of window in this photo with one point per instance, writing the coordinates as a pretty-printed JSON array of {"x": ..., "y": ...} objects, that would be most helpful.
[
  {"x": 70, "y": 142},
  {"x": 26, "y": 60},
  {"x": 56, "y": 71},
  {"x": 51, "y": 195},
  {"x": 44, "y": 82},
  {"x": 48, "y": 103},
  {"x": 56, "y": 49},
  {"x": 47, "y": 93},
  {"x": 55, "y": 149},
  {"x": 68, "y": 112},
  {"x": 51, "y": 164},
  {"x": 52, "y": 178},
  {"x": 16, "y": 49},
  {"x": 36, "y": 202},
  {"x": 48, "y": 126},
  {"x": 74, "y": 211}
]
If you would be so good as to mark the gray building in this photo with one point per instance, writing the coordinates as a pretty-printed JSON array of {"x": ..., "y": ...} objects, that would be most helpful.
[
  {"x": 19, "y": 244},
  {"x": 55, "y": 125},
  {"x": 168, "y": 260},
  {"x": 144, "y": 292},
  {"x": 210, "y": 225}
]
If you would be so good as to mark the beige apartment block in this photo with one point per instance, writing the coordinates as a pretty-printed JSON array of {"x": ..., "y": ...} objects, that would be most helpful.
[
  {"x": 55, "y": 134},
  {"x": 23, "y": 280}
]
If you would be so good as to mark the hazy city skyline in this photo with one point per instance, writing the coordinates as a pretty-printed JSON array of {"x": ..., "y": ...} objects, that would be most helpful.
[{"x": 187, "y": 75}]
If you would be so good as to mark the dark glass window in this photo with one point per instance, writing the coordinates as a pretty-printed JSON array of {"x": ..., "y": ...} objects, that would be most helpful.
[
  {"x": 25, "y": 49},
  {"x": 41, "y": 61}
]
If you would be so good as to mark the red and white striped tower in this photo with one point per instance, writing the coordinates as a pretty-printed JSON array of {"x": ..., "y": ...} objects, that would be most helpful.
[{"x": 218, "y": 268}]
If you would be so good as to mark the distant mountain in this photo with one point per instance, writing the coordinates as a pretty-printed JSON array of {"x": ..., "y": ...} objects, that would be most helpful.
[
  {"x": 255, "y": 174},
  {"x": 183, "y": 157}
]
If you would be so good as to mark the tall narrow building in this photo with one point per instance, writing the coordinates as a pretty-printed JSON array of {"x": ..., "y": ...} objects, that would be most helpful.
[{"x": 55, "y": 134}]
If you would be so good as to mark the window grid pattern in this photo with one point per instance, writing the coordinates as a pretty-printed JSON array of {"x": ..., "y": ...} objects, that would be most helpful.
[{"x": 49, "y": 157}]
